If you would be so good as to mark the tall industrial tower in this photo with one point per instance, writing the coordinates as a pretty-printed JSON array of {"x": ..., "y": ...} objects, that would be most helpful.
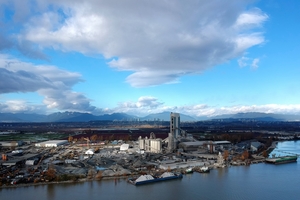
[
  {"x": 174, "y": 131},
  {"x": 175, "y": 124}
]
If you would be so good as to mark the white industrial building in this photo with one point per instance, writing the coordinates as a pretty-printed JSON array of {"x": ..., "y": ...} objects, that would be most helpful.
[
  {"x": 155, "y": 145},
  {"x": 10, "y": 143},
  {"x": 51, "y": 143},
  {"x": 192, "y": 146},
  {"x": 176, "y": 165},
  {"x": 31, "y": 162},
  {"x": 212, "y": 146},
  {"x": 124, "y": 147},
  {"x": 89, "y": 152},
  {"x": 150, "y": 145}
]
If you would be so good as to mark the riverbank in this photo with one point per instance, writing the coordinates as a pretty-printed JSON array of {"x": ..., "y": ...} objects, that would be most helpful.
[
  {"x": 62, "y": 182},
  {"x": 224, "y": 183},
  {"x": 115, "y": 171}
]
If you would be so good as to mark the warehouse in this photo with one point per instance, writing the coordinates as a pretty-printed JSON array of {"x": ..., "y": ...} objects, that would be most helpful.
[
  {"x": 192, "y": 146},
  {"x": 10, "y": 143},
  {"x": 51, "y": 143}
]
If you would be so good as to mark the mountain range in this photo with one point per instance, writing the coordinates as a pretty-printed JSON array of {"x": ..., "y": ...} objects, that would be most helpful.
[{"x": 164, "y": 116}]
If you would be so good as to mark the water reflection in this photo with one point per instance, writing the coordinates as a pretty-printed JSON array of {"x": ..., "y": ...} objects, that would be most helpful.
[{"x": 51, "y": 191}]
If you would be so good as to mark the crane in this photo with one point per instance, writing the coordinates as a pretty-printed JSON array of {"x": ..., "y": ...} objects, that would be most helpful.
[{"x": 87, "y": 142}]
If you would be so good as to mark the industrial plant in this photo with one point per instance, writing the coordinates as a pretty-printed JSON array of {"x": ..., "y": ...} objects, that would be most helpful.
[{"x": 90, "y": 155}]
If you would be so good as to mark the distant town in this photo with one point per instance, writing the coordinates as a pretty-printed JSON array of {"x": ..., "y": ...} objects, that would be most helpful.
[{"x": 52, "y": 152}]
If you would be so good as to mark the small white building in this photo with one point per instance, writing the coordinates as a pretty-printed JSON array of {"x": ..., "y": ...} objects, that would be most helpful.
[
  {"x": 51, "y": 143},
  {"x": 10, "y": 143},
  {"x": 255, "y": 146},
  {"x": 31, "y": 162},
  {"x": 89, "y": 152},
  {"x": 124, "y": 147}
]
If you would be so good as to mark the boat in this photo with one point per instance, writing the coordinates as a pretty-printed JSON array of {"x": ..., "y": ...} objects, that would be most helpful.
[
  {"x": 145, "y": 179},
  {"x": 204, "y": 169},
  {"x": 282, "y": 159},
  {"x": 189, "y": 170}
]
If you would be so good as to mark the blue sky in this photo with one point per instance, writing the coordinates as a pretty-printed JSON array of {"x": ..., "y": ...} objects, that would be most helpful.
[{"x": 197, "y": 57}]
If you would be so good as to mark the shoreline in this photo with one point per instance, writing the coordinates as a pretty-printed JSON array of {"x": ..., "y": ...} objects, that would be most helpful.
[
  {"x": 61, "y": 182},
  {"x": 82, "y": 180}
]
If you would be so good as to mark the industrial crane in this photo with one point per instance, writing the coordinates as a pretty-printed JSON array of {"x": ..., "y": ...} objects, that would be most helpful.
[{"x": 87, "y": 142}]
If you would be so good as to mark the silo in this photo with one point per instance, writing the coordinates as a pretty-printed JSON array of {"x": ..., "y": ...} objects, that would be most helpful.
[
  {"x": 141, "y": 143},
  {"x": 153, "y": 145},
  {"x": 156, "y": 145},
  {"x": 147, "y": 144}
]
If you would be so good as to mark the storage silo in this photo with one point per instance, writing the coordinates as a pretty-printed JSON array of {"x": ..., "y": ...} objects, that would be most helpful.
[
  {"x": 156, "y": 145},
  {"x": 141, "y": 143},
  {"x": 147, "y": 144}
]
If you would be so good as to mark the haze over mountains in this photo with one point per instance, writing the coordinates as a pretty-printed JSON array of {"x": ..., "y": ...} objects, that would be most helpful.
[{"x": 165, "y": 116}]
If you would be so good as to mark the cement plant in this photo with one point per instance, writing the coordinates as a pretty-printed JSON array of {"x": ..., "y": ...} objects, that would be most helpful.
[{"x": 57, "y": 152}]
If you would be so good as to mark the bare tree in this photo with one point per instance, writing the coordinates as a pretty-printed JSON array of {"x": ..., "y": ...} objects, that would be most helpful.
[{"x": 226, "y": 155}]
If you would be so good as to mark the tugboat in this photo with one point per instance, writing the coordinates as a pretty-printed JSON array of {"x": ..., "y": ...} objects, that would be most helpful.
[{"x": 145, "y": 179}]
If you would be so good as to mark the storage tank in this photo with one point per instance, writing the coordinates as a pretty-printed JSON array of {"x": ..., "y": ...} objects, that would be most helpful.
[
  {"x": 156, "y": 145},
  {"x": 141, "y": 143},
  {"x": 147, "y": 144}
]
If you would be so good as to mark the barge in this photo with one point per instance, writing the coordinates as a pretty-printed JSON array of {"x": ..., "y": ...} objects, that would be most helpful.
[
  {"x": 282, "y": 159},
  {"x": 146, "y": 179}
]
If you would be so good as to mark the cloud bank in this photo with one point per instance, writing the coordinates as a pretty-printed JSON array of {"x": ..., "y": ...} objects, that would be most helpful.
[
  {"x": 54, "y": 84},
  {"x": 158, "y": 41},
  {"x": 150, "y": 105}
]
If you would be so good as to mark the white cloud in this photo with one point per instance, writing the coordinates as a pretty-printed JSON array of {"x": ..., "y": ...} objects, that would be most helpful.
[
  {"x": 159, "y": 41},
  {"x": 49, "y": 81},
  {"x": 254, "y": 64},
  {"x": 146, "y": 105},
  {"x": 245, "y": 61},
  {"x": 251, "y": 18},
  {"x": 148, "y": 101},
  {"x": 16, "y": 106},
  {"x": 198, "y": 110}
]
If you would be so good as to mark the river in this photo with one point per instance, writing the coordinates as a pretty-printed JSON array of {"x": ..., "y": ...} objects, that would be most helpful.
[{"x": 257, "y": 181}]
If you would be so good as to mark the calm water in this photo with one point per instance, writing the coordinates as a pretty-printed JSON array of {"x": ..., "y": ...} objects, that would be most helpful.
[{"x": 258, "y": 181}]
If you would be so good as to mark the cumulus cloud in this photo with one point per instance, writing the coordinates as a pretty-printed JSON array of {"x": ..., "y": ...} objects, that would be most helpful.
[
  {"x": 66, "y": 100},
  {"x": 146, "y": 105},
  {"x": 16, "y": 106},
  {"x": 21, "y": 81},
  {"x": 243, "y": 61},
  {"x": 267, "y": 108},
  {"x": 250, "y": 62},
  {"x": 49, "y": 81},
  {"x": 158, "y": 41},
  {"x": 254, "y": 64}
]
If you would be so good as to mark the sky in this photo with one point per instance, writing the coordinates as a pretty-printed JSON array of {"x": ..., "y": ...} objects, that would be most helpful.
[{"x": 195, "y": 57}]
